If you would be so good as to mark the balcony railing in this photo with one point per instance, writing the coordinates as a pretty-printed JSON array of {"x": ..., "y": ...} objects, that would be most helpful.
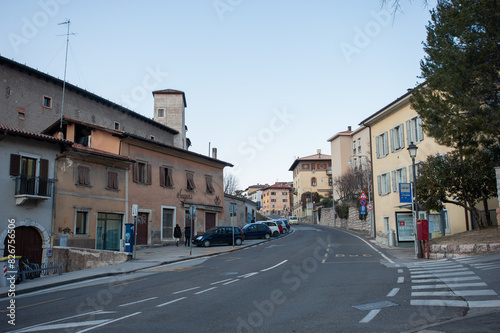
[{"x": 36, "y": 187}]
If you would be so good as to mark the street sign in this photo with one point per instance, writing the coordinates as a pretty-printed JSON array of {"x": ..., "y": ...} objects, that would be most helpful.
[
  {"x": 405, "y": 193},
  {"x": 362, "y": 202},
  {"x": 369, "y": 206},
  {"x": 192, "y": 211},
  {"x": 363, "y": 196},
  {"x": 362, "y": 210},
  {"x": 135, "y": 209}
]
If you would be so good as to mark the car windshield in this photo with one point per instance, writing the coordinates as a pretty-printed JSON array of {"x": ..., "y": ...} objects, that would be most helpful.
[{"x": 211, "y": 230}]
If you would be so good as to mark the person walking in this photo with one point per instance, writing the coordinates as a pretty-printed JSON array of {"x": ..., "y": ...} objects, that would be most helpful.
[
  {"x": 177, "y": 234},
  {"x": 187, "y": 236}
]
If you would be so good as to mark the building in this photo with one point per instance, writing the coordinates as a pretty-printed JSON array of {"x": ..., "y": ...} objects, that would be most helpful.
[
  {"x": 255, "y": 194},
  {"x": 311, "y": 174},
  {"x": 239, "y": 211},
  {"x": 276, "y": 200},
  {"x": 392, "y": 129},
  {"x": 27, "y": 197}
]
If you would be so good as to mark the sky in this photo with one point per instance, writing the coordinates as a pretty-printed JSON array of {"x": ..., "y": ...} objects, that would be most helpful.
[{"x": 265, "y": 81}]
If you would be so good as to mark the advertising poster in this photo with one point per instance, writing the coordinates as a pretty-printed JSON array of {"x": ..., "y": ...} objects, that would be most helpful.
[{"x": 405, "y": 227}]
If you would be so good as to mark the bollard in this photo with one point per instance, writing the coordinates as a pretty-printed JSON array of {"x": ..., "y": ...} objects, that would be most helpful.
[{"x": 390, "y": 238}]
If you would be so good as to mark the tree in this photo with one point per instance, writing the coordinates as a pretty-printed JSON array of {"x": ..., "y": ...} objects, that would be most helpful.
[
  {"x": 456, "y": 180},
  {"x": 306, "y": 197},
  {"x": 231, "y": 184},
  {"x": 351, "y": 183},
  {"x": 460, "y": 101}
]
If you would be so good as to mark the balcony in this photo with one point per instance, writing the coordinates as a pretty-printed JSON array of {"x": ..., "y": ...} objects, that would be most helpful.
[{"x": 32, "y": 188}]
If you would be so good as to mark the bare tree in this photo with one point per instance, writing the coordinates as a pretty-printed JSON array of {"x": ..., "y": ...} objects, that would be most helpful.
[
  {"x": 395, "y": 5},
  {"x": 352, "y": 183},
  {"x": 231, "y": 184}
]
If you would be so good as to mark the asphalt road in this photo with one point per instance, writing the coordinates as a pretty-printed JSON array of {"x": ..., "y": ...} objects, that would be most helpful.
[{"x": 315, "y": 280}]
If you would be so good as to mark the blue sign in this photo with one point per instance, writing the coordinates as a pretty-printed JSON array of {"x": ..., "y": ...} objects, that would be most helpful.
[
  {"x": 405, "y": 193},
  {"x": 362, "y": 210},
  {"x": 362, "y": 202}
]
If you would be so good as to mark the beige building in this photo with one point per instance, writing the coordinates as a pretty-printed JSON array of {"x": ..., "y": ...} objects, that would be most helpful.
[
  {"x": 392, "y": 129},
  {"x": 310, "y": 174},
  {"x": 276, "y": 200}
]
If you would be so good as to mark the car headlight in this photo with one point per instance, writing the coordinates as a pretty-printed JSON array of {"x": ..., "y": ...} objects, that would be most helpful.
[{"x": 199, "y": 238}]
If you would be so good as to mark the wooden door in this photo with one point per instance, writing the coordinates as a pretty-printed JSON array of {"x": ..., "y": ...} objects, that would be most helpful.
[
  {"x": 28, "y": 244},
  {"x": 210, "y": 219},
  {"x": 142, "y": 229}
]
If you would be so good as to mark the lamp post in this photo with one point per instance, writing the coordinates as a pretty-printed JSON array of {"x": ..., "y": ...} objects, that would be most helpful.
[
  {"x": 412, "y": 150},
  {"x": 372, "y": 233}
]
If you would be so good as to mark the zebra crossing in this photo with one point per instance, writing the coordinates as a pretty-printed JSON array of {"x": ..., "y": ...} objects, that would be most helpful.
[
  {"x": 478, "y": 263},
  {"x": 449, "y": 283}
]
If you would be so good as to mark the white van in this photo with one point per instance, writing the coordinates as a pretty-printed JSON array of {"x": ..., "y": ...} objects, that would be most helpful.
[{"x": 293, "y": 220}]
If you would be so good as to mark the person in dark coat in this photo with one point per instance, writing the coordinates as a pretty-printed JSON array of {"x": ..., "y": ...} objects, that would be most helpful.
[
  {"x": 187, "y": 236},
  {"x": 177, "y": 234}
]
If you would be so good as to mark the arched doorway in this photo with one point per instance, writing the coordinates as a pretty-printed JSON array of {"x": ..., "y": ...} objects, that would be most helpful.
[{"x": 28, "y": 244}]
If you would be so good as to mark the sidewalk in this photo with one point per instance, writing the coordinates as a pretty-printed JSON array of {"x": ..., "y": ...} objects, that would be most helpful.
[{"x": 155, "y": 256}]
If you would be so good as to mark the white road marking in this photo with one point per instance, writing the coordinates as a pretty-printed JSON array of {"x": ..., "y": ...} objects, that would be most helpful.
[
  {"x": 185, "y": 290},
  {"x": 109, "y": 322},
  {"x": 393, "y": 292},
  {"x": 142, "y": 300},
  {"x": 64, "y": 326},
  {"x": 374, "y": 249},
  {"x": 485, "y": 292},
  {"x": 248, "y": 275},
  {"x": 369, "y": 316},
  {"x": 454, "y": 279},
  {"x": 401, "y": 279},
  {"x": 175, "y": 300},
  {"x": 222, "y": 281},
  {"x": 267, "y": 269},
  {"x": 204, "y": 291},
  {"x": 451, "y": 285},
  {"x": 225, "y": 284}
]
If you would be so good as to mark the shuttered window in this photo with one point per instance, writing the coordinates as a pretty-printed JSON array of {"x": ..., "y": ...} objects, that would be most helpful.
[{"x": 190, "y": 181}]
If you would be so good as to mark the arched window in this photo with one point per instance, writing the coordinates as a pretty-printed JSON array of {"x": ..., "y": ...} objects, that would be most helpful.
[{"x": 313, "y": 181}]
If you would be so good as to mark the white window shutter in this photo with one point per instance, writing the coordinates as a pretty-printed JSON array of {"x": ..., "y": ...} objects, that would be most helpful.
[
  {"x": 393, "y": 181},
  {"x": 408, "y": 132},
  {"x": 379, "y": 185},
  {"x": 388, "y": 183},
  {"x": 401, "y": 136},
  {"x": 386, "y": 147},
  {"x": 419, "y": 130},
  {"x": 377, "y": 146}
]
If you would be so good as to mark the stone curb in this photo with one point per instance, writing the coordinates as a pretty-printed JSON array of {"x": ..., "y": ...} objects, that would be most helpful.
[{"x": 440, "y": 251}]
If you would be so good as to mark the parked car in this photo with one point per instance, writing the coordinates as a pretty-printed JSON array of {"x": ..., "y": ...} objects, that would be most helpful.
[
  {"x": 274, "y": 227},
  {"x": 257, "y": 230},
  {"x": 294, "y": 220},
  {"x": 287, "y": 224},
  {"x": 219, "y": 235},
  {"x": 282, "y": 226}
]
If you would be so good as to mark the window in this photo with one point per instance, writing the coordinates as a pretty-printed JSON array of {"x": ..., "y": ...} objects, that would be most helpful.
[
  {"x": 167, "y": 222},
  {"x": 273, "y": 200},
  {"x": 209, "y": 186},
  {"x": 397, "y": 138},
  {"x": 161, "y": 113},
  {"x": 354, "y": 147},
  {"x": 83, "y": 177},
  {"x": 166, "y": 178},
  {"x": 398, "y": 176},
  {"x": 32, "y": 175},
  {"x": 273, "y": 193},
  {"x": 47, "y": 102},
  {"x": 387, "y": 224},
  {"x": 152, "y": 137},
  {"x": 330, "y": 181},
  {"x": 284, "y": 193},
  {"x": 414, "y": 132},
  {"x": 142, "y": 173},
  {"x": 384, "y": 184},
  {"x": 285, "y": 200},
  {"x": 112, "y": 180},
  {"x": 190, "y": 181},
  {"x": 410, "y": 169},
  {"x": 382, "y": 145},
  {"x": 359, "y": 145},
  {"x": 313, "y": 181},
  {"x": 117, "y": 125},
  {"x": 21, "y": 113},
  {"x": 81, "y": 222}
]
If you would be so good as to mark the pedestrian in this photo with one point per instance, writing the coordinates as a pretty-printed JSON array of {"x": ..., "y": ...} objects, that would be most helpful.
[
  {"x": 177, "y": 234},
  {"x": 187, "y": 236}
]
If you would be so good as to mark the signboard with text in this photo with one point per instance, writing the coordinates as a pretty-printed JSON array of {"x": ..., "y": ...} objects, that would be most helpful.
[{"x": 405, "y": 193}]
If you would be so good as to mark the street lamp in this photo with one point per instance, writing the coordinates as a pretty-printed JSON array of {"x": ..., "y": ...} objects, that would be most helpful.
[
  {"x": 372, "y": 233},
  {"x": 412, "y": 150}
]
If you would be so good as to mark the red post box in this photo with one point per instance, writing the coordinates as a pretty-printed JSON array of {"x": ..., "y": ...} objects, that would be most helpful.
[{"x": 422, "y": 230}]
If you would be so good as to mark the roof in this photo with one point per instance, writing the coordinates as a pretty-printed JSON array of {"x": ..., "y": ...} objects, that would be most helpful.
[
  {"x": 78, "y": 90},
  {"x": 32, "y": 135},
  {"x": 88, "y": 150},
  {"x": 171, "y": 92},
  {"x": 344, "y": 133},
  {"x": 315, "y": 157},
  {"x": 124, "y": 134},
  {"x": 374, "y": 117},
  {"x": 278, "y": 186}
]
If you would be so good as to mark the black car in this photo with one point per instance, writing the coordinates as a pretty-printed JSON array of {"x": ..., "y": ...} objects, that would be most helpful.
[
  {"x": 219, "y": 235},
  {"x": 256, "y": 230}
]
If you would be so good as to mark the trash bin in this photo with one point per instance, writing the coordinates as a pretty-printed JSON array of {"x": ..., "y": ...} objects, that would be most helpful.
[
  {"x": 4, "y": 266},
  {"x": 391, "y": 238}
]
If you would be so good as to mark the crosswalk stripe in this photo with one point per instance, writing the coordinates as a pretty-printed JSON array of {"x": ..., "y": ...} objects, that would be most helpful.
[
  {"x": 486, "y": 292},
  {"x": 451, "y": 285}
]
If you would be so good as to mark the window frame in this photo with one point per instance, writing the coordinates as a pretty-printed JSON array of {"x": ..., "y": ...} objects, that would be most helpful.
[
  {"x": 46, "y": 98},
  {"x": 114, "y": 185},
  {"x": 209, "y": 188},
  {"x": 397, "y": 138},
  {"x": 398, "y": 176},
  {"x": 142, "y": 173},
  {"x": 414, "y": 131},
  {"x": 382, "y": 145},
  {"x": 158, "y": 113},
  {"x": 83, "y": 178},
  {"x": 86, "y": 222},
  {"x": 190, "y": 184},
  {"x": 386, "y": 179}
]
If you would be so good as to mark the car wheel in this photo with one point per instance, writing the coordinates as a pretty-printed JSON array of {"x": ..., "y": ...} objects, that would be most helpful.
[
  {"x": 238, "y": 241},
  {"x": 206, "y": 243},
  {"x": 276, "y": 234},
  {"x": 267, "y": 236}
]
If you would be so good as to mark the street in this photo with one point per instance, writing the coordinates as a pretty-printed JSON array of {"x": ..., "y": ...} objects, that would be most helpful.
[{"x": 316, "y": 279}]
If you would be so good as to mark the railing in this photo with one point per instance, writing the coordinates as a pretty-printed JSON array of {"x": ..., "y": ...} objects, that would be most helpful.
[{"x": 36, "y": 186}]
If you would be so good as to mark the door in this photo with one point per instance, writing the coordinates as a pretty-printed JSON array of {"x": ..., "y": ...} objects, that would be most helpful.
[
  {"x": 28, "y": 244},
  {"x": 210, "y": 219},
  {"x": 142, "y": 229},
  {"x": 28, "y": 175},
  {"x": 109, "y": 231}
]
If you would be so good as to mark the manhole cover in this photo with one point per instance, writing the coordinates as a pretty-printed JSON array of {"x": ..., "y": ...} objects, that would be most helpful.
[{"x": 374, "y": 306}]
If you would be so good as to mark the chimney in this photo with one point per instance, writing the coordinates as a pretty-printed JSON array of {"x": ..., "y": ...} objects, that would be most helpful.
[
  {"x": 319, "y": 152},
  {"x": 214, "y": 153},
  {"x": 349, "y": 128}
]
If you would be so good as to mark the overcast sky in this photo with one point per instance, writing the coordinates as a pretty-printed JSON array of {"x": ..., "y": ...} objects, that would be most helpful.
[{"x": 265, "y": 81}]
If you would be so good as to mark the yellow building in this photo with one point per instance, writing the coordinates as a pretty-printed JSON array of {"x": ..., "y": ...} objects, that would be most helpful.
[
  {"x": 276, "y": 200},
  {"x": 392, "y": 129},
  {"x": 311, "y": 174}
]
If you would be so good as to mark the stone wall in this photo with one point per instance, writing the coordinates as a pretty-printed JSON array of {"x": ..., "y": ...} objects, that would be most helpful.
[
  {"x": 75, "y": 259},
  {"x": 439, "y": 251},
  {"x": 351, "y": 223}
]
